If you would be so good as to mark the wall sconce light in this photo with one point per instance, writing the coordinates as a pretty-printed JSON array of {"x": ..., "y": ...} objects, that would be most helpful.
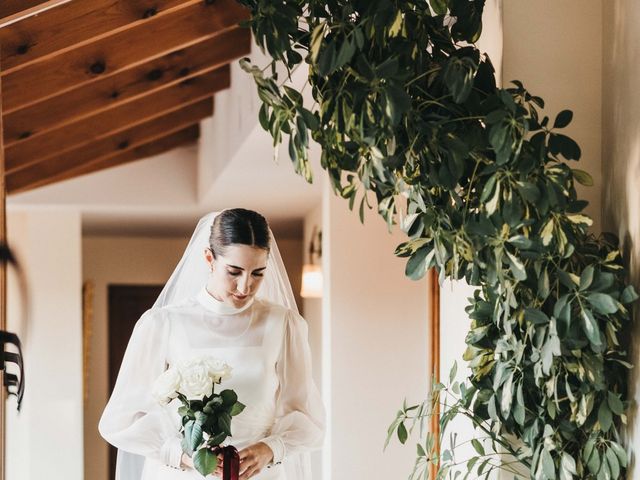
[{"x": 312, "y": 272}]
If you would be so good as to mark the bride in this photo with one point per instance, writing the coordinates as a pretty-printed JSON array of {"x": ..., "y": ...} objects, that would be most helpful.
[{"x": 234, "y": 302}]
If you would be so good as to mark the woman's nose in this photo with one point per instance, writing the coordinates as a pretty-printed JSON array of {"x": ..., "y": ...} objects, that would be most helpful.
[{"x": 243, "y": 285}]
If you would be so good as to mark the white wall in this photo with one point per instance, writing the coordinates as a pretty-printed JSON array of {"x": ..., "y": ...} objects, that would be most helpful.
[
  {"x": 312, "y": 310},
  {"x": 621, "y": 162},
  {"x": 376, "y": 333},
  {"x": 555, "y": 48},
  {"x": 45, "y": 438}
]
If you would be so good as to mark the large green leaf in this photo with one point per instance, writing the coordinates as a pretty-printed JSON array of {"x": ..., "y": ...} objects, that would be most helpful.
[
  {"x": 193, "y": 434},
  {"x": 602, "y": 303},
  {"x": 205, "y": 461},
  {"x": 563, "y": 119}
]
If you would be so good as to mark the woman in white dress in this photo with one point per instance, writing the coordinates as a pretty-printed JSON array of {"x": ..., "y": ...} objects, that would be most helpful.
[{"x": 233, "y": 302}]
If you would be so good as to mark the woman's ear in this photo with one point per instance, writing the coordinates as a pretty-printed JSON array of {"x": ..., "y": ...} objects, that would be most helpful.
[{"x": 209, "y": 258}]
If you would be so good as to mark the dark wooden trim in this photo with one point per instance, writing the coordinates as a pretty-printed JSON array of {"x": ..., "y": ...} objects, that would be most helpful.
[
  {"x": 55, "y": 142},
  {"x": 174, "y": 140},
  {"x": 72, "y": 24},
  {"x": 115, "y": 53},
  {"x": 112, "y": 92}
]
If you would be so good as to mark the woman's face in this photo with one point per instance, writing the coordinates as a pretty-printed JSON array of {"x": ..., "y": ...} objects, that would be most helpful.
[{"x": 236, "y": 275}]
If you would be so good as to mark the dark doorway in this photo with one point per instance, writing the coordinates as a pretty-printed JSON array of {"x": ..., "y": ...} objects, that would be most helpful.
[{"x": 126, "y": 303}]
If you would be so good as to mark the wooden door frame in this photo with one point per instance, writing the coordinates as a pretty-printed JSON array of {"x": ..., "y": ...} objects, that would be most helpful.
[{"x": 433, "y": 369}]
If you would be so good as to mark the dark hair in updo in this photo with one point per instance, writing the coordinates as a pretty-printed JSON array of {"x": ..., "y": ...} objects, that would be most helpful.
[{"x": 238, "y": 226}]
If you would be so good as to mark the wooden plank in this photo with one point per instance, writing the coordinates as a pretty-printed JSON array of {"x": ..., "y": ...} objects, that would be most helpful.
[
  {"x": 126, "y": 86},
  {"x": 54, "y": 142},
  {"x": 169, "y": 142},
  {"x": 115, "y": 53},
  {"x": 74, "y": 24},
  {"x": 12, "y": 10},
  {"x": 110, "y": 146}
]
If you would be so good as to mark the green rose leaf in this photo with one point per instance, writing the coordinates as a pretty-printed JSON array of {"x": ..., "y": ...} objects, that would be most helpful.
[
  {"x": 205, "y": 461},
  {"x": 224, "y": 422},
  {"x": 192, "y": 435},
  {"x": 237, "y": 409},
  {"x": 229, "y": 397},
  {"x": 217, "y": 439}
]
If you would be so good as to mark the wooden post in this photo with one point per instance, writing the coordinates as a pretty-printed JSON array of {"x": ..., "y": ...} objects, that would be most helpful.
[{"x": 433, "y": 289}]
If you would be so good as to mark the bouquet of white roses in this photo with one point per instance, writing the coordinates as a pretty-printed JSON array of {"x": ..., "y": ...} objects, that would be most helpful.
[{"x": 206, "y": 415}]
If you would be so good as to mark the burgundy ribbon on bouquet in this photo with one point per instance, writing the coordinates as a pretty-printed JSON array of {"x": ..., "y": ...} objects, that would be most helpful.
[{"x": 230, "y": 462}]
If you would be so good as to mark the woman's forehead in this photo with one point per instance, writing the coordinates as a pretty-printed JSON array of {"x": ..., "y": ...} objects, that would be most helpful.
[{"x": 245, "y": 256}]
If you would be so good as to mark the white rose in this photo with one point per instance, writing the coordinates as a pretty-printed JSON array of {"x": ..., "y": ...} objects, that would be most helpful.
[
  {"x": 166, "y": 386},
  {"x": 218, "y": 370},
  {"x": 196, "y": 381}
]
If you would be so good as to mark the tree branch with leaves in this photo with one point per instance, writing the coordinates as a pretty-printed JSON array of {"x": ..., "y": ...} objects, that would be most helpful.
[{"x": 406, "y": 109}]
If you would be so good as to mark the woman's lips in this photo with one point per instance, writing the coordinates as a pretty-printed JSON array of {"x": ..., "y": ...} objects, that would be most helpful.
[{"x": 239, "y": 297}]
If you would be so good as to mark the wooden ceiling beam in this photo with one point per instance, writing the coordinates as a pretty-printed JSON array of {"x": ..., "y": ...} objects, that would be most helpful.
[
  {"x": 14, "y": 10},
  {"x": 73, "y": 24},
  {"x": 109, "y": 146},
  {"x": 180, "y": 138},
  {"x": 54, "y": 142},
  {"x": 111, "y": 92},
  {"x": 115, "y": 53}
]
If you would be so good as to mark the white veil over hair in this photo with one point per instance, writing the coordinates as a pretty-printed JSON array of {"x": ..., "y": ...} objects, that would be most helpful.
[{"x": 188, "y": 278}]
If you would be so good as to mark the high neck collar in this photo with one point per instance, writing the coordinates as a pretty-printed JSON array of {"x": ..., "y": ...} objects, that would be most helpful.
[{"x": 209, "y": 302}]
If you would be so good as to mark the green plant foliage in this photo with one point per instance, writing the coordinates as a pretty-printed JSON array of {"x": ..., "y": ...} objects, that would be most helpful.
[
  {"x": 407, "y": 109},
  {"x": 206, "y": 424},
  {"x": 490, "y": 451}
]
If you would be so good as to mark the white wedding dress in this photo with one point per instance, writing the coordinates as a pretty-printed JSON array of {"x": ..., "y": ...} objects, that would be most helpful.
[{"x": 267, "y": 347}]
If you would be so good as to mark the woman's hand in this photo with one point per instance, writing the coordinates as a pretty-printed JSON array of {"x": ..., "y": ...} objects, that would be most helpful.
[
  {"x": 186, "y": 461},
  {"x": 253, "y": 459}
]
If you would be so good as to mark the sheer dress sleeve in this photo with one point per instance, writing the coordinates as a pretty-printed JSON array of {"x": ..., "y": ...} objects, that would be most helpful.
[
  {"x": 133, "y": 420},
  {"x": 300, "y": 416}
]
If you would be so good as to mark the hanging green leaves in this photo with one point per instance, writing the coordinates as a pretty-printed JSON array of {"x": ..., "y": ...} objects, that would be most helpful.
[{"x": 407, "y": 110}]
